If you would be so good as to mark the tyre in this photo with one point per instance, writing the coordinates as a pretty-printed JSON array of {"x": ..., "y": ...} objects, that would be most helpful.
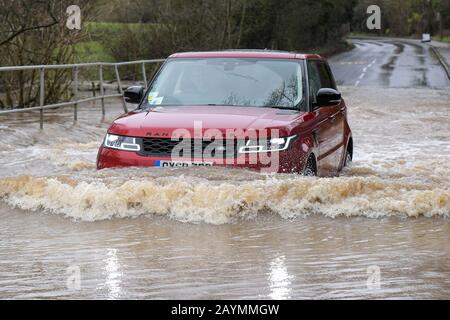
[
  {"x": 348, "y": 158},
  {"x": 310, "y": 168}
]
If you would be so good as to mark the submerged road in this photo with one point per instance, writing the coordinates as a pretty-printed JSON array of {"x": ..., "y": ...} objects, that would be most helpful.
[{"x": 394, "y": 63}]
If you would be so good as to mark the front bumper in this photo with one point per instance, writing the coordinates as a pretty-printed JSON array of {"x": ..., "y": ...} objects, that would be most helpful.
[{"x": 289, "y": 161}]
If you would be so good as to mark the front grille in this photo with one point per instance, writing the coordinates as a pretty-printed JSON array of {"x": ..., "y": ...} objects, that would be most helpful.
[{"x": 164, "y": 147}]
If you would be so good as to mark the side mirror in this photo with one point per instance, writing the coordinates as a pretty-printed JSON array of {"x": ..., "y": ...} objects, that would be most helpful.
[
  {"x": 328, "y": 97},
  {"x": 134, "y": 94}
]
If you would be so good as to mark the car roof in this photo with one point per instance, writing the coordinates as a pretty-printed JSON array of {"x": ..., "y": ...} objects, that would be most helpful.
[{"x": 255, "y": 54}]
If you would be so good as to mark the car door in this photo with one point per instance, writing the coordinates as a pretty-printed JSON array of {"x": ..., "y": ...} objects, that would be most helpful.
[
  {"x": 328, "y": 120},
  {"x": 339, "y": 122}
]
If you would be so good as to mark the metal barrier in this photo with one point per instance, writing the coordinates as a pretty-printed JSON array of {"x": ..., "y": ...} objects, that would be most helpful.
[{"x": 75, "y": 101}]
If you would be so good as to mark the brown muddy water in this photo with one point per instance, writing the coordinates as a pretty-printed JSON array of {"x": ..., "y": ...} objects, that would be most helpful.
[{"x": 381, "y": 230}]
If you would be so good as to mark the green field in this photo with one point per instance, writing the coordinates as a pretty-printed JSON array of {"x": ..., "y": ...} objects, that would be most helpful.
[
  {"x": 101, "y": 37},
  {"x": 92, "y": 51},
  {"x": 102, "y": 31},
  {"x": 444, "y": 39}
]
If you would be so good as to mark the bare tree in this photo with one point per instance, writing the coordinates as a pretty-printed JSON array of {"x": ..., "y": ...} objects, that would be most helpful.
[
  {"x": 31, "y": 33},
  {"x": 16, "y": 23}
]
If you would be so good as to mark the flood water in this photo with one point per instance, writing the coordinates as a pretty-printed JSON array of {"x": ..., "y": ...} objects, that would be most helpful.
[{"x": 220, "y": 233}]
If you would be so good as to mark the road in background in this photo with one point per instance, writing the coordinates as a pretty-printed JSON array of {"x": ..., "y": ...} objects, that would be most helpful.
[{"x": 389, "y": 63}]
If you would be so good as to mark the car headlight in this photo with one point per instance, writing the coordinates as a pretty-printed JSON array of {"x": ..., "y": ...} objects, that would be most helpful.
[
  {"x": 121, "y": 143},
  {"x": 272, "y": 145}
]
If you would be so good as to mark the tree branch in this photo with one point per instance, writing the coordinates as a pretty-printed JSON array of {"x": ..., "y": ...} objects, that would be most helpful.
[{"x": 23, "y": 29}]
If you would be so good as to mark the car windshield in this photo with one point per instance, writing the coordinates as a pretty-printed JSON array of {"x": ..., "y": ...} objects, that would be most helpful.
[{"x": 228, "y": 82}]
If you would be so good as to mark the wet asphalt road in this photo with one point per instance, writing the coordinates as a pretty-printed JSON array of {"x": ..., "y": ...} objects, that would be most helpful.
[{"x": 391, "y": 63}]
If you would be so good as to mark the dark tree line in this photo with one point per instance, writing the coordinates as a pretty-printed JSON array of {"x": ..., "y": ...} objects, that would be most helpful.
[
  {"x": 210, "y": 24},
  {"x": 302, "y": 25}
]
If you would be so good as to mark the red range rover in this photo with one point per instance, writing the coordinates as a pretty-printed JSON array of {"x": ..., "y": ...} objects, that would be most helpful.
[{"x": 263, "y": 110}]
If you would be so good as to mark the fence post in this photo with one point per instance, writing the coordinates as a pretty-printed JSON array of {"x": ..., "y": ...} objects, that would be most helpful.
[
  {"x": 119, "y": 85},
  {"x": 120, "y": 88},
  {"x": 41, "y": 98},
  {"x": 144, "y": 75},
  {"x": 102, "y": 90},
  {"x": 75, "y": 93}
]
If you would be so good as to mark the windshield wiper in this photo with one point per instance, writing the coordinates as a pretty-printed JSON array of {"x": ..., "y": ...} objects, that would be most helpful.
[
  {"x": 221, "y": 105},
  {"x": 242, "y": 76},
  {"x": 250, "y": 106},
  {"x": 282, "y": 108}
]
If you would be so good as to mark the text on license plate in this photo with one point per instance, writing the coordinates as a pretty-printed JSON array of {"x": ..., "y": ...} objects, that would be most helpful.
[{"x": 181, "y": 164}]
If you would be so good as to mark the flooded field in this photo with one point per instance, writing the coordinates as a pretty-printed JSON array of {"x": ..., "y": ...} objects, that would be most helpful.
[{"x": 220, "y": 233}]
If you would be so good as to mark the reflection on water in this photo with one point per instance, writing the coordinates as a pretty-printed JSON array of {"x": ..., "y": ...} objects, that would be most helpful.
[
  {"x": 216, "y": 233},
  {"x": 113, "y": 275},
  {"x": 279, "y": 279},
  {"x": 156, "y": 258}
]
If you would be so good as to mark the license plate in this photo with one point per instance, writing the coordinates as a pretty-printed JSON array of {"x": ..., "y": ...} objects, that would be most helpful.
[{"x": 181, "y": 164}]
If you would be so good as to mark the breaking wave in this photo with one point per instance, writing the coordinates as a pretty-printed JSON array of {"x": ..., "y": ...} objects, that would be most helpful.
[{"x": 203, "y": 200}]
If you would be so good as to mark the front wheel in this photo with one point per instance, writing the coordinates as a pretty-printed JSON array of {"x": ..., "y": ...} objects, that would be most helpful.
[
  {"x": 310, "y": 168},
  {"x": 348, "y": 158}
]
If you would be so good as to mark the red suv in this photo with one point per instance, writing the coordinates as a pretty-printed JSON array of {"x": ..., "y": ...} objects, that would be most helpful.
[{"x": 265, "y": 110}]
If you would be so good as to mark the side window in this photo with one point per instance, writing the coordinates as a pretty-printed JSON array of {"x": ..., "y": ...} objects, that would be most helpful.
[
  {"x": 330, "y": 77},
  {"x": 319, "y": 77},
  {"x": 314, "y": 80}
]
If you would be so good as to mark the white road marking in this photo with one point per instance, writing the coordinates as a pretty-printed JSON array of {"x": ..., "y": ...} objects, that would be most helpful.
[
  {"x": 372, "y": 63},
  {"x": 363, "y": 74}
]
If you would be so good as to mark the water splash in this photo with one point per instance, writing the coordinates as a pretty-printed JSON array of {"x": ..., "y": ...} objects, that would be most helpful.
[{"x": 401, "y": 168}]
